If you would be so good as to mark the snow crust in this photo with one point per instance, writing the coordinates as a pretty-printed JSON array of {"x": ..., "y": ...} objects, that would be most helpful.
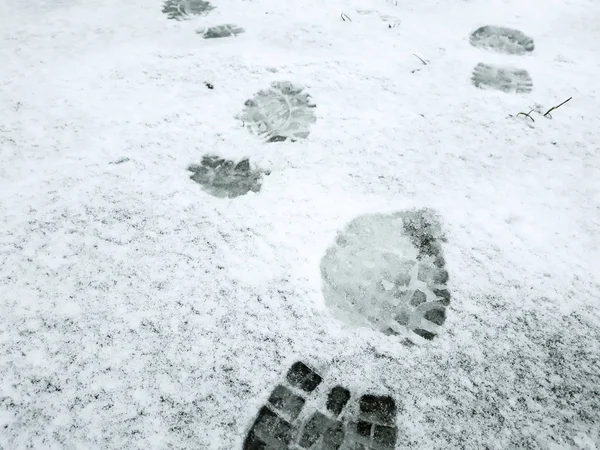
[{"x": 139, "y": 311}]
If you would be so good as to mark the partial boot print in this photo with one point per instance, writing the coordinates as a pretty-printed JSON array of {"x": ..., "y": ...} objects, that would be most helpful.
[
  {"x": 220, "y": 31},
  {"x": 276, "y": 424},
  {"x": 225, "y": 178},
  {"x": 388, "y": 271},
  {"x": 502, "y": 39},
  {"x": 290, "y": 421},
  {"x": 501, "y": 78},
  {"x": 376, "y": 427},
  {"x": 325, "y": 430},
  {"x": 282, "y": 112},
  {"x": 183, "y": 9}
]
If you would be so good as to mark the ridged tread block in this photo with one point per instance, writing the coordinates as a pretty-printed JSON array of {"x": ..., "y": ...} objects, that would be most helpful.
[{"x": 376, "y": 428}]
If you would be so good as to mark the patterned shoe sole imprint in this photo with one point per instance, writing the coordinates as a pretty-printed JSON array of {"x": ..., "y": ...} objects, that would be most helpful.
[
  {"x": 502, "y": 39},
  {"x": 183, "y": 9},
  {"x": 226, "y": 179},
  {"x": 505, "y": 79},
  {"x": 283, "y": 112},
  {"x": 388, "y": 271},
  {"x": 220, "y": 31},
  {"x": 289, "y": 421}
]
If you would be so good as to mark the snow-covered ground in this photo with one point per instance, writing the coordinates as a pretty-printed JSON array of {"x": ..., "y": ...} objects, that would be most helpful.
[{"x": 137, "y": 310}]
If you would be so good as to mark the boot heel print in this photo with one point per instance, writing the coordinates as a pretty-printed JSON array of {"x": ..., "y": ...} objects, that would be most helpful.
[{"x": 388, "y": 271}]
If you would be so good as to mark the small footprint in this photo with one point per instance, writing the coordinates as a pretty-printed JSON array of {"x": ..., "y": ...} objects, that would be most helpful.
[
  {"x": 502, "y": 78},
  {"x": 183, "y": 9},
  {"x": 304, "y": 412},
  {"x": 502, "y": 39},
  {"x": 225, "y": 178},
  {"x": 220, "y": 31}
]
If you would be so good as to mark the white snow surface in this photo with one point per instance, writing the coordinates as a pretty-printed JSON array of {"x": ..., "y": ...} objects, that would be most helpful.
[{"x": 139, "y": 312}]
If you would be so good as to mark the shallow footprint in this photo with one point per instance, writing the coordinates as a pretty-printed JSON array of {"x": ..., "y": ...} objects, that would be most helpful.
[
  {"x": 183, "y": 9},
  {"x": 220, "y": 31},
  {"x": 502, "y": 78},
  {"x": 388, "y": 271},
  {"x": 502, "y": 39},
  {"x": 289, "y": 421},
  {"x": 225, "y": 178},
  {"x": 282, "y": 112}
]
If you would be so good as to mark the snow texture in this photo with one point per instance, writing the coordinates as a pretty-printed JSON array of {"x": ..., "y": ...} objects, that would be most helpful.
[{"x": 138, "y": 311}]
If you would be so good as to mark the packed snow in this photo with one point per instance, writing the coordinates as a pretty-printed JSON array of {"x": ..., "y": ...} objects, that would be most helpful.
[{"x": 143, "y": 306}]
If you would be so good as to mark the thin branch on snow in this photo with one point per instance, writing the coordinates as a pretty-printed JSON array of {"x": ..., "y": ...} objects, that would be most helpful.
[
  {"x": 526, "y": 115},
  {"x": 556, "y": 107},
  {"x": 420, "y": 58}
]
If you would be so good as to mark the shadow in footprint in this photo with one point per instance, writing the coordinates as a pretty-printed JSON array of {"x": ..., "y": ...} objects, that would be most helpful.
[
  {"x": 289, "y": 421},
  {"x": 220, "y": 31},
  {"x": 505, "y": 79},
  {"x": 183, "y": 9},
  {"x": 225, "y": 178},
  {"x": 282, "y": 112},
  {"x": 502, "y": 39},
  {"x": 388, "y": 271}
]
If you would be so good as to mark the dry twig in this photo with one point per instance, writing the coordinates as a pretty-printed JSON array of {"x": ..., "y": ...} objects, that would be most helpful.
[
  {"x": 556, "y": 107},
  {"x": 420, "y": 58},
  {"x": 526, "y": 115}
]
